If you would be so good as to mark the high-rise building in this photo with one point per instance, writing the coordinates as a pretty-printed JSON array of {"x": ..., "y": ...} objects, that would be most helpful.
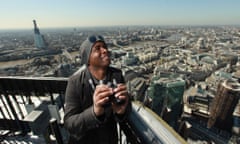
[
  {"x": 223, "y": 105},
  {"x": 38, "y": 38},
  {"x": 166, "y": 94}
]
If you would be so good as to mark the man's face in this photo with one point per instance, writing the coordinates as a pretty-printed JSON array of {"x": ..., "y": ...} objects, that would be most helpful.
[{"x": 99, "y": 56}]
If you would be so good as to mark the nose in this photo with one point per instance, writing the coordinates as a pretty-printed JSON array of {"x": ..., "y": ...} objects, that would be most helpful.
[{"x": 104, "y": 50}]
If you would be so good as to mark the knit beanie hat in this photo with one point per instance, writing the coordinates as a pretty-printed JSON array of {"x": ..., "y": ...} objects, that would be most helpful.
[{"x": 86, "y": 47}]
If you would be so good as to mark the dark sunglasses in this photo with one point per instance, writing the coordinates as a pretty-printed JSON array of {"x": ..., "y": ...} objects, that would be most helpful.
[{"x": 94, "y": 38}]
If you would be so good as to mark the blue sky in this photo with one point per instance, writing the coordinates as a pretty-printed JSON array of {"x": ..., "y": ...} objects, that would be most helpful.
[{"x": 77, "y": 13}]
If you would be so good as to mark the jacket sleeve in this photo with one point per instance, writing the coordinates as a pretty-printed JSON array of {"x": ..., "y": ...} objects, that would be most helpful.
[{"x": 77, "y": 121}]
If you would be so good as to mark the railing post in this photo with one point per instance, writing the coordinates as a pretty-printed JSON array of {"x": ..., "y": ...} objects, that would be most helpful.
[
  {"x": 9, "y": 103},
  {"x": 5, "y": 106},
  {"x": 55, "y": 130}
]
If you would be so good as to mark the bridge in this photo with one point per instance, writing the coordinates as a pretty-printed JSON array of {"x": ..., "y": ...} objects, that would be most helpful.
[{"x": 18, "y": 94}]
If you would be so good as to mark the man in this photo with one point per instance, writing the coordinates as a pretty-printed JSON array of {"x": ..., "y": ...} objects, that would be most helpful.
[{"x": 92, "y": 106}]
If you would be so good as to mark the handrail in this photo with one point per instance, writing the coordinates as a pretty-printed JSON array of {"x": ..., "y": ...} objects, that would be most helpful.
[
  {"x": 150, "y": 128},
  {"x": 37, "y": 85}
]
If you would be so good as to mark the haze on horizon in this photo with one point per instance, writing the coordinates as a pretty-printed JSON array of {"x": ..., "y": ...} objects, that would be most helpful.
[{"x": 18, "y": 14}]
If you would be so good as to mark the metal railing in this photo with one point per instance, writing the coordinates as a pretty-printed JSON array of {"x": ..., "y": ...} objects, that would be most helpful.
[{"x": 142, "y": 126}]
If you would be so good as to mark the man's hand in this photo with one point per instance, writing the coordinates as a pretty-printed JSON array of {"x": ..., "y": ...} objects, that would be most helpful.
[
  {"x": 121, "y": 94},
  {"x": 100, "y": 98}
]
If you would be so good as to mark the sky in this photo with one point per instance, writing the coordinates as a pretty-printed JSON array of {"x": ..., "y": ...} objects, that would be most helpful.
[{"x": 19, "y": 14}]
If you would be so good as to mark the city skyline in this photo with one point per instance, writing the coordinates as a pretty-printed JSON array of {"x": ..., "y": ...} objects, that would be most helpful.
[{"x": 16, "y": 14}]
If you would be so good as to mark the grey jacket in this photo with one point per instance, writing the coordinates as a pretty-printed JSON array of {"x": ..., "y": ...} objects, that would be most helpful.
[{"x": 79, "y": 119}]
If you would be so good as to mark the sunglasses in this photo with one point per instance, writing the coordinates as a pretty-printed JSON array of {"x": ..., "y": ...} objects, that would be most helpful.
[{"x": 93, "y": 39}]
